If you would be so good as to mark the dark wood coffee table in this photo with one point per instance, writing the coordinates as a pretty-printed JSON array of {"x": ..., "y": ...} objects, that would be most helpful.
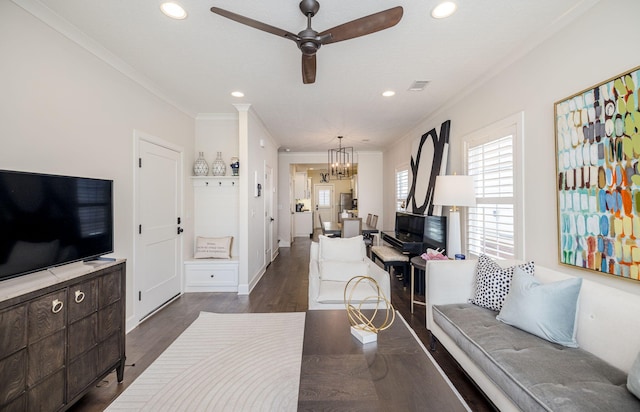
[{"x": 393, "y": 374}]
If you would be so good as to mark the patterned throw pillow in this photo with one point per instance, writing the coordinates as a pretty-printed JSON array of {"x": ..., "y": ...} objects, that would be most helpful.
[{"x": 493, "y": 282}]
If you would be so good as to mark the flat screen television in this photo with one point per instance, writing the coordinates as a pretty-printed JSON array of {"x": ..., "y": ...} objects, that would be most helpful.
[{"x": 49, "y": 220}]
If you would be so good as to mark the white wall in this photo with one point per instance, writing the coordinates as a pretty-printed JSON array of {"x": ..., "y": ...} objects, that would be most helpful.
[
  {"x": 370, "y": 189},
  {"x": 370, "y": 193},
  {"x": 257, "y": 149},
  {"x": 593, "y": 48},
  {"x": 216, "y": 132},
  {"x": 64, "y": 111}
]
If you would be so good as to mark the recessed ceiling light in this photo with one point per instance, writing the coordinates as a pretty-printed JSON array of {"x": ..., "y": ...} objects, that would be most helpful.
[
  {"x": 237, "y": 94},
  {"x": 388, "y": 93},
  {"x": 173, "y": 10},
  {"x": 443, "y": 10}
]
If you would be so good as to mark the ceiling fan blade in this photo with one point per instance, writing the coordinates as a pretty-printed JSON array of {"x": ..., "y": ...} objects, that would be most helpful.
[
  {"x": 364, "y": 25},
  {"x": 255, "y": 24},
  {"x": 308, "y": 69}
]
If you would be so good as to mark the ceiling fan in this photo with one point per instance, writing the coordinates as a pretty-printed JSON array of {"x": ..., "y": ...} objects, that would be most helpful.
[{"x": 309, "y": 40}]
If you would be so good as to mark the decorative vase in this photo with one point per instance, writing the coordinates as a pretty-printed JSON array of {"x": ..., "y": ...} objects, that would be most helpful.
[
  {"x": 200, "y": 166},
  {"x": 218, "y": 167},
  {"x": 235, "y": 166}
]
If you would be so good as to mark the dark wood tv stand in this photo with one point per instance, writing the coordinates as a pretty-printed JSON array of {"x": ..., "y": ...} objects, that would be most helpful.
[{"x": 62, "y": 331}]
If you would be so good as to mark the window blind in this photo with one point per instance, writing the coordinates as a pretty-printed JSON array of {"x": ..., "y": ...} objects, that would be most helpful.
[
  {"x": 402, "y": 189},
  {"x": 324, "y": 198},
  {"x": 491, "y": 223}
]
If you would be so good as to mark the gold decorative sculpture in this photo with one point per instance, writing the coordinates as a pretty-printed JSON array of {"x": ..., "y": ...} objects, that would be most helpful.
[{"x": 363, "y": 327}]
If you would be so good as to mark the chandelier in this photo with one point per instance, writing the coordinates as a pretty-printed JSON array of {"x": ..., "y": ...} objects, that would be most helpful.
[{"x": 340, "y": 161}]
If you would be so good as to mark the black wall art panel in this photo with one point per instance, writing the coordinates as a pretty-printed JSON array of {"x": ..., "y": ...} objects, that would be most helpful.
[{"x": 428, "y": 160}]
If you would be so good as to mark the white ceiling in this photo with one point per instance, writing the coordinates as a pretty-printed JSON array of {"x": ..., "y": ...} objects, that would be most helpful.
[{"x": 198, "y": 61}]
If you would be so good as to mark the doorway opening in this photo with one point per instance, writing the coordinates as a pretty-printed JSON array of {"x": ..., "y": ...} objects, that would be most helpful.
[{"x": 314, "y": 192}]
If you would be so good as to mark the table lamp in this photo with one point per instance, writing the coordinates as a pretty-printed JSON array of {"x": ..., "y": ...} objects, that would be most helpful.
[{"x": 454, "y": 191}]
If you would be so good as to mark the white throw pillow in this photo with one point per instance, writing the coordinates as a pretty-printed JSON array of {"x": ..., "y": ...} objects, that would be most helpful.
[
  {"x": 213, "y": 247},
  {"x": 342, "y": 271},
  {"x": 343, "y": 249},
  {"x": 547, "y": 310}
]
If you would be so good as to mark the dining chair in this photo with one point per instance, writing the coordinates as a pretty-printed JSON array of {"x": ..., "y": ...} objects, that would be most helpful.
[
  {"x": 321, "y": 225},
  {"x": 372, "y": 238},
  {"x": 351, "y": 227}
]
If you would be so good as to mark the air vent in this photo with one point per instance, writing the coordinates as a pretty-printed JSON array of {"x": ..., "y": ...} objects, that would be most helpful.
[{"x": 418, "y": 85}]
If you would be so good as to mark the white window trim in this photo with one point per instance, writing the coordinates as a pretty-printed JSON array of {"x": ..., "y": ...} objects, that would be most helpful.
[{"x": 515, "y": 123}]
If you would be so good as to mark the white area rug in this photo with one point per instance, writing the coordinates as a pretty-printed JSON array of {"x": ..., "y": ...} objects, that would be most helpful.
[{"x": 224, "y": 362}]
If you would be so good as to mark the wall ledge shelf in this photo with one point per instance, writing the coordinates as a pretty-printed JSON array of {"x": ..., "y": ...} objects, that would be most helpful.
[
  {"x": 233, "y": 181},
  {"x": 215, "y": 177}
]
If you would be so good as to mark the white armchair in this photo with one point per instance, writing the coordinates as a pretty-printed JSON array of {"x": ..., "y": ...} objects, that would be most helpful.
[{"x": 333, "y": 261}]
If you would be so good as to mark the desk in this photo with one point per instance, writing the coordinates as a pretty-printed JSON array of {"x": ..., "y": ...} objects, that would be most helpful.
[
  {"x": 335, "y": 228},
  {"x": 417, "y": 262}
]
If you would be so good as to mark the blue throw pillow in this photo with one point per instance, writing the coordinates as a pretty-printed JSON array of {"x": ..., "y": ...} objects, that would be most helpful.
[
  {"x": 492, "y": 282},
  {"x": 633, "y": 380},
  {"x": 547, "y": 310}
]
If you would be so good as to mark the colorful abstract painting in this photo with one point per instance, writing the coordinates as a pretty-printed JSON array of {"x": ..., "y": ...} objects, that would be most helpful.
[{"x": 598, "y": 177}]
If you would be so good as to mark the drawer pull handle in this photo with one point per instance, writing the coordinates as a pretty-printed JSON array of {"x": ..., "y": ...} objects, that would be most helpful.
[
  {"x": 213, "y": 276},
  {"x": 79, "y": 296},
  {"x": 56, "y": 306}
]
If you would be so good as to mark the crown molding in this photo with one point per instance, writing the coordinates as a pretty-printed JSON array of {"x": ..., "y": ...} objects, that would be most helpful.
[
  {"x": 217, "y": 116},
  {"x": 62, "y": 26}
]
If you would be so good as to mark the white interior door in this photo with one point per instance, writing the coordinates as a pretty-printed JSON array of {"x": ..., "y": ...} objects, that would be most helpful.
[
  {"x": 324, "y": 203},
  {"x": 268, "y": 214},
  {"x": 158, "y": 245}
]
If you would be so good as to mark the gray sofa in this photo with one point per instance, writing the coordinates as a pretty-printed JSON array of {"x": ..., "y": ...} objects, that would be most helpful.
[{"x": 519, "y": 371}]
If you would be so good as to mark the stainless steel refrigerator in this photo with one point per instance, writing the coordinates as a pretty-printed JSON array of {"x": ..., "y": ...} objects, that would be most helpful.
[{"x": 346, "y": 203}]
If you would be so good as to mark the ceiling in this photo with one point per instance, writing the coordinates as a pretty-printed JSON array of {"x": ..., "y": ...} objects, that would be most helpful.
[{"x": 197, "y": 62}]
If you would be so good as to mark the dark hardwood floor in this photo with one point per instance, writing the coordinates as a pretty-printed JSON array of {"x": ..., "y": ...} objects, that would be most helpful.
[{"x": 283, "y": 288}]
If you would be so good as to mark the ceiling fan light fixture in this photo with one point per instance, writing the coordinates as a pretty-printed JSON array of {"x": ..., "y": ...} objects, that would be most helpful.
[
  {"x": 173, "y": 10},
  {"x": 237, "y": 93},
  {"x": 444, "y": 10},
  {"x": 388, "y": 93},
  {"x": 309, "y": 40}
]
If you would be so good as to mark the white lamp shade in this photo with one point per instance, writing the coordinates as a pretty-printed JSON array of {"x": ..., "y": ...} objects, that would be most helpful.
[{"x": 454, "y": 190}]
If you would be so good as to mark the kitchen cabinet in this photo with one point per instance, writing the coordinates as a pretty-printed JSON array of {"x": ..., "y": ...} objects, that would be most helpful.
[
  {"x": 302, "y": 186},
  {"x": 303, "y": 224},
  {"x": 354, "y": 186}
]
